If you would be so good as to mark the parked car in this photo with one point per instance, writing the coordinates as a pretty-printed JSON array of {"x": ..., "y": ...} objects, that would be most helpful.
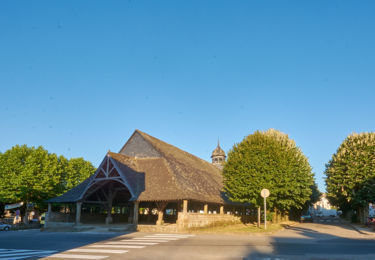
[
  {"x": 306, "y": 218},
  {"x": 4, "y": 226}
]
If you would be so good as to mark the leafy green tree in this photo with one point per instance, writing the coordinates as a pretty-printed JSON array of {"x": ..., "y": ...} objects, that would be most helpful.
[
  {"x": 314, "y": 197},
  {"x": 315, "y": 194},
  {"x": 30, "y": 174},
  {"x": 27, "y": 174},
  {"x": 268, "y": 160},
  {"x": 351, "y": 172},
  {"x": 76, "y": 171}
]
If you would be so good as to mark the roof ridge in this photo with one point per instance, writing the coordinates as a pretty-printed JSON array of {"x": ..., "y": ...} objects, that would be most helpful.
[
  {"x": 146, "y": 136},
  {"x": 124, "y": 155}
]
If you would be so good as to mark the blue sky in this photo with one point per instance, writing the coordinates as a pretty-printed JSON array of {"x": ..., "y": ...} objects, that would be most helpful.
[{"x": 79, "y": 76}]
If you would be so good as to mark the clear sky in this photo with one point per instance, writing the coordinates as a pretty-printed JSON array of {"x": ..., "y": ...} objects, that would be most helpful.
[{"x": 78, "y": 77}]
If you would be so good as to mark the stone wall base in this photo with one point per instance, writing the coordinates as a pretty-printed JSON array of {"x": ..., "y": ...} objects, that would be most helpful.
[
  {"x": 166, "y": 228},
  {"x": 193, "y": 220}
]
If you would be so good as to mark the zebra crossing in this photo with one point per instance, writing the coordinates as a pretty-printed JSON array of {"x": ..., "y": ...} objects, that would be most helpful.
[
  {"x": 105, "y": 249},
  {"x": 13, "y": 254}
]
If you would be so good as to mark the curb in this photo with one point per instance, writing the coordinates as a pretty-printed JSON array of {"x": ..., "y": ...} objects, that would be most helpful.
[{"x": 358, "y": 230}]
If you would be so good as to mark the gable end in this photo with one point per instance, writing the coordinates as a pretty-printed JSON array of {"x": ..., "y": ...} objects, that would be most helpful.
[{"x": 137, "y": 146}]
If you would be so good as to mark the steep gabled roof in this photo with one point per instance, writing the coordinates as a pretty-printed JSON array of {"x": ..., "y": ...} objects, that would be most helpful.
[
  {"x": 193, "y": 178},
  {"x": 73, "y": 194},
  {"x": 158, "y": 171}
]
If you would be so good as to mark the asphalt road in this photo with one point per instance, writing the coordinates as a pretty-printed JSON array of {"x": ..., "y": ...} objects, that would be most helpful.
[{"x": 305, "y": 241}]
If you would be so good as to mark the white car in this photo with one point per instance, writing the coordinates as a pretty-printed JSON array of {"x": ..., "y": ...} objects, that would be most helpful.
[{"x": 4, "y": 226}]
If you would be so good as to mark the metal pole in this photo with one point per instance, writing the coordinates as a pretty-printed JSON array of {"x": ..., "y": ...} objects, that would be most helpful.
[{"x": 265, "y": 214}]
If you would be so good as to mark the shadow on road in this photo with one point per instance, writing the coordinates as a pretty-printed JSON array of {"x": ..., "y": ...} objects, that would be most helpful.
[
  {"x": 312, "y": 244},
  {"x": 56, "y": 241}
]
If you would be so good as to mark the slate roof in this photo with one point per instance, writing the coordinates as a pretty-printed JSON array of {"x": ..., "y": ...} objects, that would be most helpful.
[
  {"x": 73, "y": 194},
  {"x": 169, "y": 173}
]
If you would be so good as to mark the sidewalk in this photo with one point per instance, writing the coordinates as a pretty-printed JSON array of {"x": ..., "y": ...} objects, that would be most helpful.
[{"x": 362, "y": 229}]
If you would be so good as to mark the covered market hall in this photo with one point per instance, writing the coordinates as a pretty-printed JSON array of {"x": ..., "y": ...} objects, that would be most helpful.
[{"x": 149, "y": 182}]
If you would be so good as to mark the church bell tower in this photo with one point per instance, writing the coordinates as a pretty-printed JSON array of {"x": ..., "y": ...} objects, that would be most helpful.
[{"x": 218, "y": 156}]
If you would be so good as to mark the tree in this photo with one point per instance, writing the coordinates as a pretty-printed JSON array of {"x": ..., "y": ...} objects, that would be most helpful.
[
  {"x": 314, "y": 197},
  {"x": 351, "y": 172},
  {"x": 76, "y": 171},
  {"x": 268, "y": 160},
  {"x": 30, "y": 174}
]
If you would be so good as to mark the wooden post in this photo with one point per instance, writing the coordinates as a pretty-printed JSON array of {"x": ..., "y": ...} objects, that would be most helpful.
[
  {"x": 108, "y": 219},
  {"x": 182, "y": 216},
  {"x": 222, "y": 209},
  {"x": 78, "y": 212},
  {"x": 258, "y": 217},
  {"x": 160, "y": 217},
  {"x": 161, "y": 206},
  {"x": 130, "y": 217},
  {"x": 205, "y": 209},
  {"x": 110, "y": 196},
  {"x": 185, "y": 207},
  {"x": 49, "y": 212},
  {"x": 136, "y": 212}
]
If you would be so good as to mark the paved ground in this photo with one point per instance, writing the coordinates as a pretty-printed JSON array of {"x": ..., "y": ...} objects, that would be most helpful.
[{"x": 305, "y": 241}]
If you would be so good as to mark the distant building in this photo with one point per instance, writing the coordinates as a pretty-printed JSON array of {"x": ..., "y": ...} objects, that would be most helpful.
[{"x": 322, "y": 207}]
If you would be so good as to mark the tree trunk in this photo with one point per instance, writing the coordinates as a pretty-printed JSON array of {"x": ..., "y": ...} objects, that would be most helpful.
[
  {"x": 275, "y": 218},
  {"x": 25, "y": 217}
]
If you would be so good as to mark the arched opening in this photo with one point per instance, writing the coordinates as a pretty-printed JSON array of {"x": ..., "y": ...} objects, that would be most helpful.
[{"x": 107, "y": 201}]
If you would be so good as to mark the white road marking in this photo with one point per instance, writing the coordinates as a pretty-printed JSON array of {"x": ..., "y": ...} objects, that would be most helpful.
[
  {"x": 79, "y": 256},
  {"x": 21, "y": 257},
  {"x": 108, "y": 251},
  {"x": 14, "y": 258},
  {"x": 164, "y": 238},
  {"x": 147, "y": 243},
  {"x": 18, "y": 250},
  {"x": 169, "y": 236},
  {"x": 149, "y": 240},
  {"x": 18, "y": 254},
  {"x": 187, "y": 235},
  {"x": 117, "y": 246},
  {"x": 135, "y": 243}
]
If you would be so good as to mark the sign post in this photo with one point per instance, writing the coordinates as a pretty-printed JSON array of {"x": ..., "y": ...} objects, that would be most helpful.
[{"x": 265, "y": 193}]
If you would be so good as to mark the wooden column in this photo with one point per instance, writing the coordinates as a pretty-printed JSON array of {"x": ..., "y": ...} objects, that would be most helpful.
[
  {"x": 161, "y": 206},
  {"x": 110, "y": 196},
  {"x": 222, "y": 209},
  {"x": 108, "y": 219},
  {"x": 135, "y": 212},
  {"x": 160, "y": 217},
  {"x": 185, "y": 207},
  {"x": 78, "y": 212},
  {"x": 205, "y": 209},
  {"x": 49, "y": 213},
  {"x": 131, "y": 214}
]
